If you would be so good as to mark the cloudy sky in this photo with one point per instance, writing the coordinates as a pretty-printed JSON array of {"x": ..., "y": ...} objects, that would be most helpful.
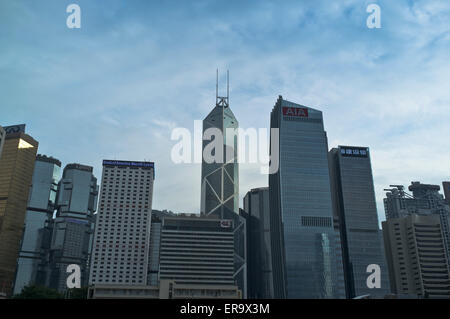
[{"x": 137, "y": 69}]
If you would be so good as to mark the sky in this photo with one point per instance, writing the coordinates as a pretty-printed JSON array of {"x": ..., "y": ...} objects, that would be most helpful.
[{"x": 137, "y": 69}]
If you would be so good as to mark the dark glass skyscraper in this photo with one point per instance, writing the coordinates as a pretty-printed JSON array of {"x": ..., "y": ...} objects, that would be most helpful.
[
  {"x": 259, "y": 252},
  {"x": 303, "y": 247},
  {"x": 31, "y": 265},
  {"x": 355, "y": 207}
]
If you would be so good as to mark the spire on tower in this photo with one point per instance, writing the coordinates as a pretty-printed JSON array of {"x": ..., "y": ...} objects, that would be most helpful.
[{"x": 222, "y": 100}]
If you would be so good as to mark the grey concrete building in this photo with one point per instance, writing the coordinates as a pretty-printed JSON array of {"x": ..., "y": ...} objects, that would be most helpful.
[
  {"x": 120, "y": 253},
  {"x": 355, "y": 208},
  {"x": 416, "y": 256},
  {"x": 166, "y": 289},
  {"x": 424, "y": 200},
  {"x": 259, "y": 256},
  {"x": 202, "y": 250},
  {"x": 32, "y": 264},
  {"x": 301, "y": 208},
  {"x": 73, "y": 225}
]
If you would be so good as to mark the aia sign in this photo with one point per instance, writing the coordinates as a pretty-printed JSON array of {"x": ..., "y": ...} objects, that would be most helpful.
[{"x": 295, "y": 111}]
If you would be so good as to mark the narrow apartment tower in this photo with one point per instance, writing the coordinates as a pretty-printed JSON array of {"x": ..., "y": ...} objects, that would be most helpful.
[
  {"x": 16, "y": 172},
  {"x": 355, "y": 208},
  {"x": 305, "y": 263},
  {"x": 32, "y": 262},
  {"x": 73, "y": 226},
  {"x": 120, "y": 254}
]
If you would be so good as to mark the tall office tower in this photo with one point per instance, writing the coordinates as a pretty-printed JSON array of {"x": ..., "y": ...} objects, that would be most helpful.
[
  {"x": 220, "y": 174},
  {"x": 122, "y": 233},
  {"x": 259, "y": 252},
  {"x": 446, "y": 188},
  {"x": 73, "y": 226},
  {"x": 16, "y": 171},
  {"x": 301, "y": 207},
  {"x": 416, "y": 256},
  {"x": 200, "y": 250},
  {"x": 425, "y": 200},
  {"x": 2, "y": 139},
  {"x": 354, "y": 204},
  {"x": 31, "y": 265}
]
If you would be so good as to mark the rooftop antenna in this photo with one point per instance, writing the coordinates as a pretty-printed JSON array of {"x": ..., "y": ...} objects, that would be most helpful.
[{"x": 222, "y": 100}]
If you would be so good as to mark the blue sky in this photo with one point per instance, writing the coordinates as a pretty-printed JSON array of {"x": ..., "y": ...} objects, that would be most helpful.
[{"x": 136, "y": 69}]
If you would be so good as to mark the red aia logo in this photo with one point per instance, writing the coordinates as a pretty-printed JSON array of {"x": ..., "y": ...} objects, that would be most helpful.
[{"x": 295, "y": 111}]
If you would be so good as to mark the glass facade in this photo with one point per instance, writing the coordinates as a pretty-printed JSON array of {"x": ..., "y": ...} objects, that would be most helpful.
[
  {"x": 259, "y": 255},
  {"x": 36, "y": 236},
  {"x": 304, "y": 260},
  {"x": 16, "y": 174},
  {"x": 220, "y": 180},
  {"x": 73, "y": 227},
  {"x": 355, "y": 207}
]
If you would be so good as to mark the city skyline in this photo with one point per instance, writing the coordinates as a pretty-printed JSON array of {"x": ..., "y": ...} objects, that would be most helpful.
[{"x": 380, "y": 88}]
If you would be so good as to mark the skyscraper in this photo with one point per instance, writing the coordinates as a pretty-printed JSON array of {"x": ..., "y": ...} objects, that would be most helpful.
[
  {"x": 73, "y": 226},
  {"x": 220, "y": 175},
  {"x": 355, "y": 207},
  {"x": 416, "y": 256},
  {"x": 31, "y": 265},
  {"x": 121, "y": 246},
  {"x": 16, "y": 171},
  {"x": 302, "y": 216},
  {"x": 259, "y": 252},
  {"x": 220, "y": 178}
]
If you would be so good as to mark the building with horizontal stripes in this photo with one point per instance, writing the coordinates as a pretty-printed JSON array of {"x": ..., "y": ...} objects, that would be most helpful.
[
  {"x": 416, "y": 256},
  {"x": 197, "y": 250}
]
